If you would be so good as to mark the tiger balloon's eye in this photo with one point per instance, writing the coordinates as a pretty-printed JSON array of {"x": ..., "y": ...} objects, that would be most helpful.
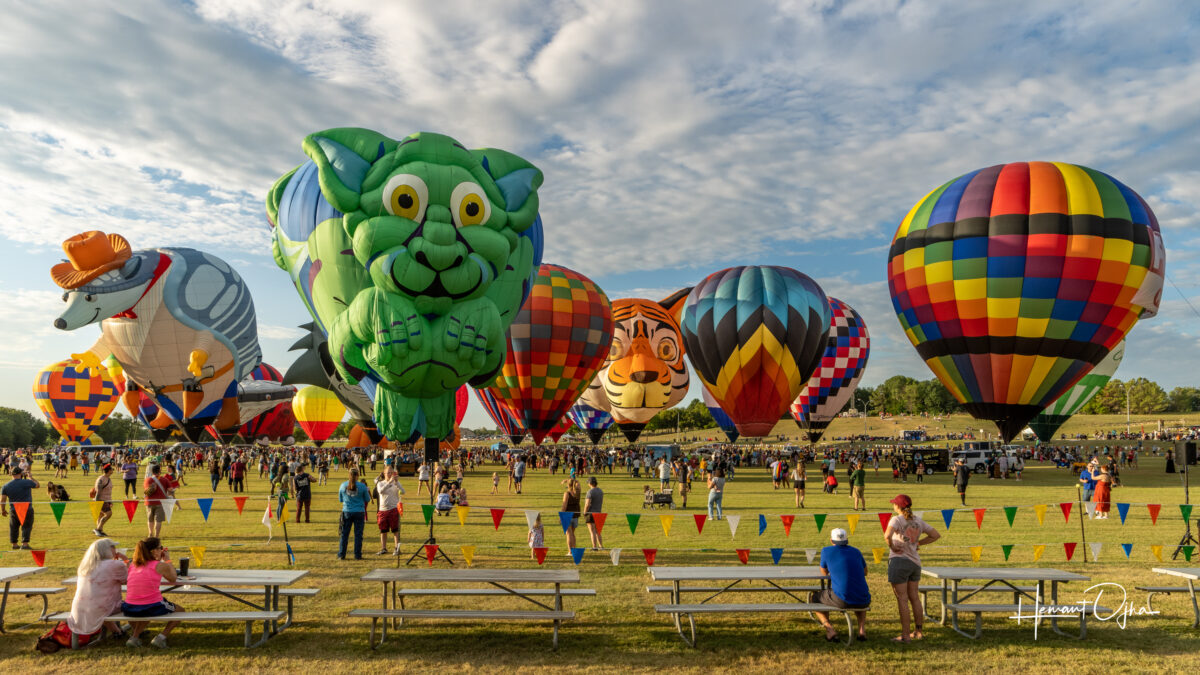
[
  {"x": 666, "y": 350},
  {"x": 469, "y": 205},
  {"x": 406, "y": 195}
]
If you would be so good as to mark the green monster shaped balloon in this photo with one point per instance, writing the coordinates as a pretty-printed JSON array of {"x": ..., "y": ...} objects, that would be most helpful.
[{"x": 413, "y": 257}]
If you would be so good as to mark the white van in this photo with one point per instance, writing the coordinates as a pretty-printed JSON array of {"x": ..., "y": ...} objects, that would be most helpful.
[{"x": 976, "y": 460}]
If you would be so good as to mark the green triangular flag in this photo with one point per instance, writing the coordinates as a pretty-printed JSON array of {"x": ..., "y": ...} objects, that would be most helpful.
[
  {"x": 633, "y": 519},
  {"x": 1010, "y": 512},
  {"x": 819, "y": 519},
  {"x": 427, "y": 509},
  {"x": 58, "y": 508},
  {"x": 1185, "y": 510},
  {"x": 1007, "y": 548},
  {"x": 1187, "y": 552}
]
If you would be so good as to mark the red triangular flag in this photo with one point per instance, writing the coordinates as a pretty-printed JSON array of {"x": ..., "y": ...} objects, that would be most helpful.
[
  {"x": 1066, "y": 509},
  {"x": 884, "y": 519},
  {"x": 241, "y": 503},
  {"x": 598, "y": 520},
  {"x": 39, "y": 557},
  {"x": 701, "y": 518},
  {"x": 1069, "y": 547},
  {"x": 430, "y": 551},
  {"x": 650, "y": 553},
  {"x": 743, "y": 555},
  {"x": 130, "y": 508},
  {"x": 787, "y": 524},
  {"x": 540, "y": 554},
  {"x": 22, "y": 508},
  {"x": 1154, "y": 509},
  {"x": 979, "y": 518},
  {"x": 497, "y": 514}
]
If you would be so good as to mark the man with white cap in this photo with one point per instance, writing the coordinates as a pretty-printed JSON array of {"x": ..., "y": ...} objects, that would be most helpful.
[{"x": 847, "y": 572}]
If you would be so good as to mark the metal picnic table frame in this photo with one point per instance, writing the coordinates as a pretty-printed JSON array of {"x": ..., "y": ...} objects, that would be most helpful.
[
  {"x": 999, "y": 576},
  {"x": 9, "y": 575},
  {"x": 1189, "y": 574}
]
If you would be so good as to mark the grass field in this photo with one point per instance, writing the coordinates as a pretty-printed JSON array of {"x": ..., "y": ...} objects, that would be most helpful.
[{"x": 618, "y": 630}]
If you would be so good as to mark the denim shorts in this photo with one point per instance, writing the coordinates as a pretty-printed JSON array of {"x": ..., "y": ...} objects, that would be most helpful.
[
  {"x": 902, "y": 570},
  {"x": 148, "y": 610}
]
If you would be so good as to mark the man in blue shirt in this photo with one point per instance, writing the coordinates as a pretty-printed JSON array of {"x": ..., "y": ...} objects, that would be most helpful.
[
  {"x": 847, "y": 572},
  {"x": 1087, "y": 478},
  {"x": 19, "y": 490}
]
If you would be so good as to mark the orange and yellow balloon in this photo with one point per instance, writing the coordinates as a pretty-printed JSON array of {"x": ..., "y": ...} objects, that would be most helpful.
[{"x": 75, "y": 400}]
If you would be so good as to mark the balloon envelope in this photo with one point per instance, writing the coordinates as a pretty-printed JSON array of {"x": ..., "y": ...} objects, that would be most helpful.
[
  {"x": 75, "y": 402},
  {"x": 319, "y": 412},
  {"x": 755, "y": 335},
  {"x": 1057, "y": 413},
  {"x": 594, "y": 422},
  {"x": 1014, "y": 281},
  {"x": 505, "y": 420},
  {"x": 724, "y": 422},
  {"x": 841, "y": 367},
  {"x": 278, "y": 422}
]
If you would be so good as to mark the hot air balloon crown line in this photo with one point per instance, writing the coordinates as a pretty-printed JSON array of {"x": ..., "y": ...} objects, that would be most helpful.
[
  {"x": 1015, "y": 281},
  {"x": 179, "y": 322},
  {"x": 413, "y": 257}
]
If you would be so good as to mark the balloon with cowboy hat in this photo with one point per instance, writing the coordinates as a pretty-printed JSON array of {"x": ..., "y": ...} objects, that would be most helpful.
[{"x": 89, "y": 255}]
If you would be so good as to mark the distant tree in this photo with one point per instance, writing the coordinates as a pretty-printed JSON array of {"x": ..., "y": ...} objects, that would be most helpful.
[
  {"x": 118, "y": 428},
  {"x": 1183, "y": 399},
  {"x": 895, "y": 396},
  {"x": 1146, "y": 397},
  {"x": 1108, "y": 401}
]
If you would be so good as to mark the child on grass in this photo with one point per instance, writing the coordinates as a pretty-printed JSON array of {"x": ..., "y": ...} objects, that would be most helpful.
[
  {"x": 536, "y": 537},
  {"x": 495, "y": 481}
]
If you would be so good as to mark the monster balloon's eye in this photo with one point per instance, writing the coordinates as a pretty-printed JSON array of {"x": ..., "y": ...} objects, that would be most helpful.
[
  {"x": 666, "y": 350},
  {"x": 406, "y": 195},
  {"x": 89, "y": 297},
  {"x": 469, "y": 205}
]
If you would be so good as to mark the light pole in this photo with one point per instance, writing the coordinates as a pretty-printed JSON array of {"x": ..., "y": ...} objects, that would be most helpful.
[{"x": 1126, "y": 408}]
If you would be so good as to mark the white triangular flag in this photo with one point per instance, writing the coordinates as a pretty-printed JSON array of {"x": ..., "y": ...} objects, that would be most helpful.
[
  {"x": 733, "y": 523},
  {"x": 531, "y": 517},
  {"x": 810, "y": 553},
  {"x": 1091, "y": 508},
  {"x": 266, "y": 520},
  {"x": 1095, "y": 551},
  {"x": 168, "y": 506},
  {"x": 616, "y": 555}
]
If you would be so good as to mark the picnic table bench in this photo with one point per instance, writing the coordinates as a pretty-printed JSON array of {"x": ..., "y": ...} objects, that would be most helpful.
[
  {"x": 250, "y": 618},
  {"x": 10, "y": 574},
  {"x": 1002, "y": 580},
  {"x": 736, "y": 576},
  {"x": 500, "y": 582},
  {"x": 1190, "y": 574}
]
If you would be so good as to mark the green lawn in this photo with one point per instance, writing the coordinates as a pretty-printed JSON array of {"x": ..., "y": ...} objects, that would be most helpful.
[{"x": 618, "y": 630}]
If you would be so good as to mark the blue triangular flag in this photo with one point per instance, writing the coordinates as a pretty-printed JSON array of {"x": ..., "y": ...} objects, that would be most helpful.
[
  {"x": 1127, "y": 547},
  {"x": 947, "y": 515},
  {"x": 776, "y": 554},
  {"x": 565, "y": 518},
  {"x": 762, "y": 524},
  {"x": 291, "y": 555},
  {"x": 1123, "y": 509},
  {"x": 577, "y": 555},
  {"x": 205, "y": 505}
]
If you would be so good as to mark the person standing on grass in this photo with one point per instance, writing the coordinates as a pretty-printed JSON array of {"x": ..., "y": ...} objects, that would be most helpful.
[
  {"x": 423, "y": 478},
  {"x": 570, "y": 504},
  {"x": 388, "y": 517},
  {"x": 155, "y": 489},
  {"x": 1103, "y": 494},
  {"x": 799, "y": 480},
  {"x": 302, "y": 488},
  {"x": 19, "y": 489},
  {"x": 593, "y": 503},
  {"x": 716, "y": 493},
  {"x": 904, "y": 539},
  {"x": 846, "y": 570},
  {"x": 961, "y": 476},
  {"x": 354, "y": 496},
  {"x": 519, "y": 472},
  {"x": 858, "y": 485},
  {"x": 1087, "y": 478},
  {"x": 129, "y": 471},
  {"x": 103, "y": 493},
  {"x": 237, "y": 475},
  {"x": 214, "y": 472}
]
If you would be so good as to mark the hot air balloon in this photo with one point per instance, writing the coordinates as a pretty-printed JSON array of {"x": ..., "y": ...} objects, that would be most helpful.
[
  {"x": 724, "y": 422},
  {"x": 1047, "y": 422},
  {"x": 277, "y": 422},
  {"x": 319, "y": 412},
  {"x": 837, "y": 375},
  {"x": 556, "y": 344},
  {"x": 146, "y": 411},
  {"x": 755, "y": 335},
  {"x": 74, "y": 399},
  {"x": 505, "y": 420},
  {"x": 564, "y": 425},
  {"x": 360, "y": 438},
  {"x": 592, "y": 421},
  {"x": 462, "y": 399},
  {"x": 1016, "y": 280}
]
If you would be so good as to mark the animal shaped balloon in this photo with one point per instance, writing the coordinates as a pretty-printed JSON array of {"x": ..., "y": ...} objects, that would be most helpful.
[
  {"x": 555, "y": 346},
  {"x": 755, "y": 335},
  {"x": 319, "y": 413},
  {"x": 1016, "y": 280},
  {"x": 841, "y": 367},
  {"x": 180, "y": 323},
  {"x": 412, "y": 259},
  {"x": 75, "y": 400},
  {"x": 1048, "y": 422},
  {"x": 645, "y": 371},
  {"x": 593, "y": 421}
]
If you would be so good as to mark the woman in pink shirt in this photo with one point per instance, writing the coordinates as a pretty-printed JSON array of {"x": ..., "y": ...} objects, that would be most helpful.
[{"x": 143, "y": 595}]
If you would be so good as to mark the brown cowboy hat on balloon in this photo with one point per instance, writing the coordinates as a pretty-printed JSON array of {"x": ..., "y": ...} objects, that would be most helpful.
[{"x": 89, "y": 255}]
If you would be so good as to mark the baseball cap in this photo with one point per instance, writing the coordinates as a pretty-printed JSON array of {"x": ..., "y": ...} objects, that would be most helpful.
[
  {"x": 838, "y": 536},
  {"x": 903, "y": 501}
]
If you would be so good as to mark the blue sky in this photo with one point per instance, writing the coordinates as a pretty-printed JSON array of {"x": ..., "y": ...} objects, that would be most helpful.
[{"x": 676, "y": 138}]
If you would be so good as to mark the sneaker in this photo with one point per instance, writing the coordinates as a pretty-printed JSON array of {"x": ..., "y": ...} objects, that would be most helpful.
[
  {"x": 397, "y": 551},
  {"x": 159, "y": 641},
  {"x": 133, "y": 642},
  {"x": 25, "y": 546},
  {"x": 97, "y": 532},
  {"x": 382, "y": 551}
]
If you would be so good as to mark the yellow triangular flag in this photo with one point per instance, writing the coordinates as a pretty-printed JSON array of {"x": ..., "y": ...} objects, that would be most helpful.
[
  {"x": 96, "y": 507},
  {"x": 462, "y": 512},
  {"x": 878, "y": 553},
  {"x": 1157, "y": 551},
  {"x": 666, "y": 524},
  {"x": 976, "y": 553},
  {"x": 197, "y": 555},
  {"x": 283, "y": 513},
  {"x": 1040, "y": 511},
  {"x": 468, "y": 554},
  {"x": 1038, "y": 551},
  {"x": 852, "y": 521}
]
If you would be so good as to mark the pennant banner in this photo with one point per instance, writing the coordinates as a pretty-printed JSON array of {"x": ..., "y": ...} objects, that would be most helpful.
[
  {"x": 130, "y": 508},
  {"x": 615, "y": 554},
  {"x": 96, "y": 508},
  {"x": 1154, "y": 509},
  {"x": 776, "y": 554},
  {"x": 577, "y": 554},
  {"x": 1185, "y": 510},
  {"x": 1123, "y": 510},
  {"x": 884, "y": 519},
  {"x": 762, "y": 524},
  {"x": 1188, "y": 551},
  {"x": 497, "y": 514},
  {"x": 168, "y": 506},
  {"x": 39, "y": 557},
  {"x": 1038, "y": 551},
  {"x": 1156, "y": 551},
  {"x": 1090, "y": 507},
  {"x": 57, "y": 509},
  {"x": 430, "y": 551},
  {"x": 1040, "y": 511},
  {"x": 531, "y": 518},
  {"x": 240, "y": 502},
  {"x": 666, "y": 521},
  {"x": 976, "y": 553},
  {"x": 649, "y": 554},
  {"x": 565, "y": 518},
  {"x": 1069, "y": 549},
  {"x": 462, "y": 512},
  {"x": 197, "y": 555},
  {"x": 427, "y": 511},
  {"x": 947, "y": 516},
  {"x": 1010, "y": 512},
  {"x": 878, "y": 553},
  {"x": 598, "y": 520},
  {"x": 22, "y": 509},
  {"x": 811, "y": 554},
  {"x": 852, "y": 522},
  {"x": 787, "y": 520},
  {"x": 1066, "y": 510},
  {"x": 700, "y": 518},
  {"x": 979, "y": 513},
  {"x": 743, "y": 555},
  {"x": 206, "y": 503},
  {"x": 1007, "y": 548},
  {"x": 819, "y": 519},
  {"x": 733, "y": 522},
  {"x": 539, "y": 554},
  {"x": 1128, "y": 548},
  {"x": 1095, "y": 546},
  {"x": 632, "y": 519}
]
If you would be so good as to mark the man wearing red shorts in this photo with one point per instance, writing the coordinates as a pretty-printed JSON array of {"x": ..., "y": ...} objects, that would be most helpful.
[{"x": 388, "y": 517}]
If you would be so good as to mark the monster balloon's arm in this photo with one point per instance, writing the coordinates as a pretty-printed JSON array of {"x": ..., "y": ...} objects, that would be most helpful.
[
  {"x": 471, "y": 328},
  {"x": 387, "y": 325}
]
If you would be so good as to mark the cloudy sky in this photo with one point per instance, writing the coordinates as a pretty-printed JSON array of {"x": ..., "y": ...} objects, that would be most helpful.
[{"x": 676, "y": 138}]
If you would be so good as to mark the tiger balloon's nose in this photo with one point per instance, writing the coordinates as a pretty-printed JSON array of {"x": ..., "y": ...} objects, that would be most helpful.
[
  {"x": 60, "y": 324},
  {"x": 643, "y": 376}
]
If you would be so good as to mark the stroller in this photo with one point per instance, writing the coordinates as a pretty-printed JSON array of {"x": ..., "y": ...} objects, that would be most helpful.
[{"x": 657, "y": 500}]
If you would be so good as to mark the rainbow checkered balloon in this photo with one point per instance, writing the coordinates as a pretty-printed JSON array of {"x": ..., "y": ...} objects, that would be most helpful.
[
  {"x": 1014, "y": 281},
  {"x": 76, "y": 402}
]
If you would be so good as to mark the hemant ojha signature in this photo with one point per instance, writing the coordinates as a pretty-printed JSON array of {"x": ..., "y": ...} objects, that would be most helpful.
[{"x": 1120, "y": 613}]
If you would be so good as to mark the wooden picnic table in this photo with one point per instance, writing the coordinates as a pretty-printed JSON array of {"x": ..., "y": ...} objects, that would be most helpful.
[
  {"x": 1192, "y": 575},
  {"x": 220, "y": 582},
  {"x": 9, "y": 575},
  {"x": 498, "y": 582},
  {"x": 995, "y": 578}
]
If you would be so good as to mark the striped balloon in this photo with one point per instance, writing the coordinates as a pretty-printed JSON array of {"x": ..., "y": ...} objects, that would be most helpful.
[
  {"x": 505, "y": 420},
  {"x": 593, "y": 421},
  {"x": 1016, "y": 280},
  {"x": 1056, "y": 414},
  {"x": 724, "y": 421},
  {"x": 841, "y": 368},
  {"x": 75, "y": 402}
]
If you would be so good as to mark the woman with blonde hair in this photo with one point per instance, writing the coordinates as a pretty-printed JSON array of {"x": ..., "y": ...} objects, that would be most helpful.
[
  {"x": 570, "y": 504},
  {"x": 98, "y": 588}
]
